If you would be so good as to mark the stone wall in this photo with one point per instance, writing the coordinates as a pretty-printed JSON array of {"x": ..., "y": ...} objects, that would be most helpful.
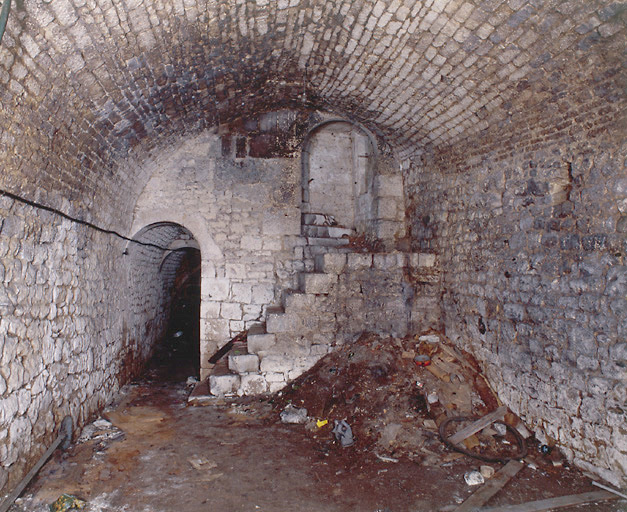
[
  {"x": 64, "y": 344},
  {"x": 239, "y": 195},
  {"x": 393, "y": 294},
  {"x": 530, "y": 227},
  {"x": 238, "y": 191}
]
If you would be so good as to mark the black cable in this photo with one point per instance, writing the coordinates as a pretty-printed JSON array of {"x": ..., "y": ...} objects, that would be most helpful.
[
  {"x": 86, "y": 223},
  {"x": 520, "y": 440}
]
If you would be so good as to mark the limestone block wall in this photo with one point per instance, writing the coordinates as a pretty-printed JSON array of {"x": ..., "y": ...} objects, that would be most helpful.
[
  {"x": 238, "y": 194},
  {"x": 531, "y": 232},
  {"x": 64, "y": 344},
  {"x": 392, "y": 294}
]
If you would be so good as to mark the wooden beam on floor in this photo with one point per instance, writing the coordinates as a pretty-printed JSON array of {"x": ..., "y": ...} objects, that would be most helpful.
[
  {"x": 554, "y": 503},
  {"x": 478, "y": 425},
  {"x": 491, "y": 487}
]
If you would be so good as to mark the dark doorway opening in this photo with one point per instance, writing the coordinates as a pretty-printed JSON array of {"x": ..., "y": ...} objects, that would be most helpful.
[
  {"x": 165, "y": 272},
  {"x": 176, "y": 356}
]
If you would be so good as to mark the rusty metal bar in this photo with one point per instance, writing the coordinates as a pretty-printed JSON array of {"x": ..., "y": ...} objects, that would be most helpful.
[{"x": 64, "y": 438}]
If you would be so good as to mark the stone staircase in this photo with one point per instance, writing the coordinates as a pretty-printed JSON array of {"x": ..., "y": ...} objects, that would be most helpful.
[
  {"x": 322, "y": 236},
  {"x": 300, "y": 331},
  {"x": 341, "y": 293}
]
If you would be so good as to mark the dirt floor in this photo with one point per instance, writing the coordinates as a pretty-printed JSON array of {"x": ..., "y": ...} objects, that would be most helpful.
[{"x": 153, "y": 452}]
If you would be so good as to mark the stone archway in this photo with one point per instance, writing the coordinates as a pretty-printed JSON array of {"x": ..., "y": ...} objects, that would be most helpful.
[{"x": 165, "y": 269}]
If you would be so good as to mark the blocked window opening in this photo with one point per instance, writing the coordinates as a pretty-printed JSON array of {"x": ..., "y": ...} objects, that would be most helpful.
[{"x": 338, "y": 169}]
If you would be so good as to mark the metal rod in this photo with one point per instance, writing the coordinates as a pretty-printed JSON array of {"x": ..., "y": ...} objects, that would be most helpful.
[
  {"x": 4, "y": 16},
  {"x": 64, "y": 435}
]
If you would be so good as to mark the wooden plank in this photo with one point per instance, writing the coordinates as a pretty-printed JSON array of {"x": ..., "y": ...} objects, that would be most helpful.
[
  {"x": 438, "y": 372},
  {"x": 554, "y": 503},
  {"x": 446, "y": 366},
  {"x": 491, "y": 487},
  {"x": 478, "y": 425}
]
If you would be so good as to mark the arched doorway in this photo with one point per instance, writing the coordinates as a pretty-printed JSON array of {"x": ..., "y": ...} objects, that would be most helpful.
[
  {"x": 339, "y": 161},
  {"x": 165, "y": 273}
]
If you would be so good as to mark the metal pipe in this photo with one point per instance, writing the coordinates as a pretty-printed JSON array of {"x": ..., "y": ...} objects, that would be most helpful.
[
  {"x": 4, "y": 16},
  {"x": 64, "y": 437}
]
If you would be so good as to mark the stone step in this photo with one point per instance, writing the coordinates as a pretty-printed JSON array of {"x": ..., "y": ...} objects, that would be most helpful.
[
  {"x": 299, "y": 301},
  {"x": 221, "y": 385},
  {"x": 318, "y": 219},
  {"x": 330, "y": 263},
  {"x": 274, "y": 310},
  {"x": 281, "y": 322},
  {"x": 245, "y": 363},
  {"x": 327, "y": 242},
  {"x": 313, "y": 231},
  {"x": 260, "y": 342},
  {"x": 317, "y": 283}
]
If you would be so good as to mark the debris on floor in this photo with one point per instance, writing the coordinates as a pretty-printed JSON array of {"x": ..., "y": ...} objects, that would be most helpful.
[
  {"x": 67, "y": 502},
  {"x": 233, "y": 454},
  {"x": 293, "y": 414},
  {"x": 343, "y": 433},
  {"x": 396, "y": 394},
  {"x": 474, "y": 477},
  {"x": 100, "y": 430}
]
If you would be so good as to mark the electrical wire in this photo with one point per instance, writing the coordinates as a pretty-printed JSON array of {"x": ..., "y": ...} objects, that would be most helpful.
[
  {"x": 4, "y": 16},
  {"x": 85, "y": 223}
]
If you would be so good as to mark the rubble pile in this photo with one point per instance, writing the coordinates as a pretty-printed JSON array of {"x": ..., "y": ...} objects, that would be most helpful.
[{"x": 395, "y": 393}]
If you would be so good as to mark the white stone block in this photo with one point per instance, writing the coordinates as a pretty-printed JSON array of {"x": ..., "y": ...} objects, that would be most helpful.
[
  {"x": 262, "y": 294},
  {"x": 319, "y": 350},
  {"x": 273, "y": 387},
  {"x": 305, "y": 363},
  {"x": 215, "y": 288},
  {"x": 252, "y": 312},
  {"x": 251, "y": 243},
  {"x": 295, "y": 302},
  {"x": 216, "y": 331},
  {"x": 236, "y": 326},
  {"x": 241, "y": 292},
  {"x": 282, "y": 222},
  {"x": 334, "y": 263},
  {"x": 426, "y": 260},
  {"x": 294, "y": 374},
  {"x": 237, "y": 271},
  {"x": 358, "y": 261},
  {"x": 245, "y": 363},
  {"x": 389, "y": 210},
  {"x": 231, "y": 311},
  {"x": 220, "y": 385},
  {"x": 253, "y": 385},
  {"x": 277, "y": 323},
  {"x": 385, "y": 261},
  {"x": 209, "y": 309},
  {"x": 320, "y": 284},
  {"x": 278, "y": 364},
  {"x": 275, "y": 377},
  {"x": 260, "y": 342},
  {"x": 272, "y": 244},
  {"x": 387, "y": 229},
  {"x": 389, "y": 186}
]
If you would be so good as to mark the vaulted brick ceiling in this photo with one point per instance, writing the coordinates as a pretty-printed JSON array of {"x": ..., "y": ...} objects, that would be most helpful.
[{"x": 86, "y": 84}]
